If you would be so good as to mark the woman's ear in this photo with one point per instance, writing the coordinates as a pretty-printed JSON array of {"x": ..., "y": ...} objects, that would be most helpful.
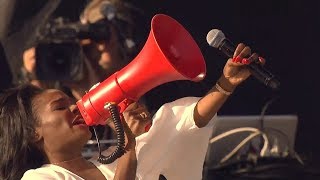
[{"x": 37, "y": 135}]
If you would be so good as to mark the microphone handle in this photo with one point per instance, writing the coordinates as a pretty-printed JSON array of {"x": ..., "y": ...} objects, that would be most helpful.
[
  {"x": 260, "y": 73},
  {"x": 227, "y": 47}
]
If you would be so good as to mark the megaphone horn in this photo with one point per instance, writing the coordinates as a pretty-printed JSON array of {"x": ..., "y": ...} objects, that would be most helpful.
[{"x": 170, "y": 53}]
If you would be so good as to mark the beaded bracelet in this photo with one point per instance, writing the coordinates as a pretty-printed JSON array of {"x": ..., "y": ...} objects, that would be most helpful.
[{"x": 220, "y": 89}]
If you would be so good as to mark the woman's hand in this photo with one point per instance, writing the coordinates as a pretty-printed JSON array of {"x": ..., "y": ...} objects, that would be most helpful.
[
  {"x": 235, "y": 70},
  {"x": 130, "y": 138},
  {"x": 137, "y": 117}
]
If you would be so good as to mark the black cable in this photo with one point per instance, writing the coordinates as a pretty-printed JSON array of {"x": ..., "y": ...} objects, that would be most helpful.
[
  {"x": 264, "y": 168},
  {"x": 263, "y": 111},
  {"x": 120, "y": 149},
  {"x": 263, "y": 129}
]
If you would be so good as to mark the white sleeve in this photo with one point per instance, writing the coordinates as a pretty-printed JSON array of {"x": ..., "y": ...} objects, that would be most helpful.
[
  {"x": 174, "y": 117},
  {"x": 181, "y": 113}
]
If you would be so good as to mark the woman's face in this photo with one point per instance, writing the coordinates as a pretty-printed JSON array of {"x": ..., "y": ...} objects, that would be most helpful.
[{"x": 61, "y": 128}]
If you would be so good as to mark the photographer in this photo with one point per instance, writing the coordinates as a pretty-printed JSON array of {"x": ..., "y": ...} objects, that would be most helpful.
[{"x": 94, "y": 49}]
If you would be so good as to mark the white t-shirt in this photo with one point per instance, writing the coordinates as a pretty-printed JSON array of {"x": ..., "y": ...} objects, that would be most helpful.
[
  {"x": 54, "y": 172},
  {"x": 174, "y": 147}
]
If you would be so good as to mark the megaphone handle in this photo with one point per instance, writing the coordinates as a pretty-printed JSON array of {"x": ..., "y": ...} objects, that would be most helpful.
[{"x": 124, "y": 104}]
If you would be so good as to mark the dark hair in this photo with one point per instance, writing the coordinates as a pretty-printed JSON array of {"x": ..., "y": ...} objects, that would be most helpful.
[{"x": 17, "y": 132}]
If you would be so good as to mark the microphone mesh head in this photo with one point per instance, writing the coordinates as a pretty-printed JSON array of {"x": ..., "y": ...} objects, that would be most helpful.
[{"x": 215, "y": 37}]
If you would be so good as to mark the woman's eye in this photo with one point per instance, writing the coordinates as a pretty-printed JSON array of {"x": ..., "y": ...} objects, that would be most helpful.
[{"x": 59, "y": 108}]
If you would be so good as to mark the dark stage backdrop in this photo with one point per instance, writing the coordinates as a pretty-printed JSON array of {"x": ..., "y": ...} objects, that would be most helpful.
[{"x": 285, "y": 32}]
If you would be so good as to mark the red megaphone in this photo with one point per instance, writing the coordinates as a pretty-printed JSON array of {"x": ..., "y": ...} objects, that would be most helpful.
[{"x": 169, "y": 54}]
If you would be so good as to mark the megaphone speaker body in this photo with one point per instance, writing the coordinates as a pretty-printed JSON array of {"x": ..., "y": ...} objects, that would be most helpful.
[{"x": 169, "y": 54}]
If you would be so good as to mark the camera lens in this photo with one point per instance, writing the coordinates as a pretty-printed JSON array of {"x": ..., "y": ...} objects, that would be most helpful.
[{"x": 58, "y": 61}]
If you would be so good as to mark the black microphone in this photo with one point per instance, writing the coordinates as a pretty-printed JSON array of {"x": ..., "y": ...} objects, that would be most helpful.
[{"x": 217, "y": 39}]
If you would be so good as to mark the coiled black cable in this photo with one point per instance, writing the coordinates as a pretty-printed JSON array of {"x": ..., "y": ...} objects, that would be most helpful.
[{"x": 120, "y": 149}]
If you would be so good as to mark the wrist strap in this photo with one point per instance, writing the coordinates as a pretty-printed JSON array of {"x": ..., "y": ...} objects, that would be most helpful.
[{"x": 220, "y": 89}]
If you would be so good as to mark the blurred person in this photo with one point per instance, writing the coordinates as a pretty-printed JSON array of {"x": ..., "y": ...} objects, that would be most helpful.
[
  {"x": 103, "y": 57},
  {"x": 106, "y": 56},
  {"x": 42, "y": 136},
  {"x": 23, "y": 22}
]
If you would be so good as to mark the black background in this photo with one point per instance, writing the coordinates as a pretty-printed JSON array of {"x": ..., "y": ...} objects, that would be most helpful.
[{"x": 284, "y": 32}]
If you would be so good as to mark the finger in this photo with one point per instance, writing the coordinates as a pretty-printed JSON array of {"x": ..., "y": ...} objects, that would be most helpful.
[
  {"x": 253, "y": 58},
  {"x": 239, "y": 48},
  {"x": 142, "y": 105},
  {"x": 138, "y": 116},
  {"x": 135, "y": 106},
  {"x": 232, "y": 62},
  {"x": 135, "y": 110},
  {"x": 130, "y": 137},
  {"x": 139, "y": 108},
  {"x": 245, "y": 52},
  {"x": 132, "y": 106},
  {"x": 142, "y": 108},
  {"x": 126, "y": 127},
  {"x": 262, "y": 60},
  {"x": 143, "y": 115}
]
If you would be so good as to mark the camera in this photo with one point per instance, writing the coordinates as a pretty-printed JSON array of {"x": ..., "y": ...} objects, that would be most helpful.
[
  {"x": 59, "y": 55},
  {"x": 59, "y": 61}
]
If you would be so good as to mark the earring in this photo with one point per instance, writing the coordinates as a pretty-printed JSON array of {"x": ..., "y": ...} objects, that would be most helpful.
[{"x": 36, "y": 135}]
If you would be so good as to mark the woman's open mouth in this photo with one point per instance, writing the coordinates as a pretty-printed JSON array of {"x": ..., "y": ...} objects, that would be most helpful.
[{"x": 78, "y": 120}]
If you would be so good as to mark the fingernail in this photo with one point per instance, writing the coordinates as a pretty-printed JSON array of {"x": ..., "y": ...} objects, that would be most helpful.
[
  {"x": 245, "y": 61},
  {"x": 237, "y": 59},
  {"x": 234, "y": 59},
  {"x": 261, "y": 59}
]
